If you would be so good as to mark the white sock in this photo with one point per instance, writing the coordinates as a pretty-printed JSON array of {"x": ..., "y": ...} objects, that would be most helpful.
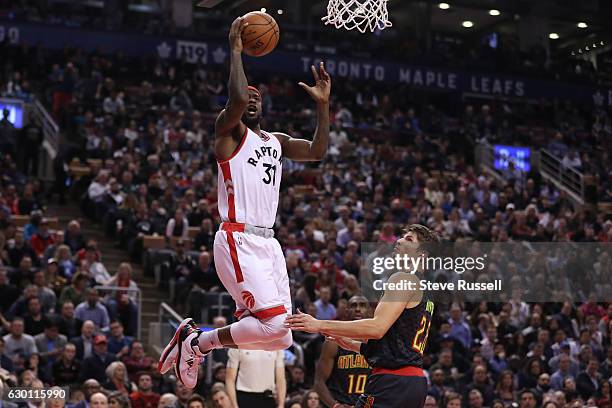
[{"x": 208, "y": 341}]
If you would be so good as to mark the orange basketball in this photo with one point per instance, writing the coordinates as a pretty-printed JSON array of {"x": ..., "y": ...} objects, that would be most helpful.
[{"x": 261, "y": 35}]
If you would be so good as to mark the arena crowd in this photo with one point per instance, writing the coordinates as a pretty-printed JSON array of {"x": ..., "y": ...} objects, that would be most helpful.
[{"x": 396, "y": 157}]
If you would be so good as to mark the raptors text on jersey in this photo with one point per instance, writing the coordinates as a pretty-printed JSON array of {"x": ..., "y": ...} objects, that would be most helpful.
[{"x": 249, "y": 180}]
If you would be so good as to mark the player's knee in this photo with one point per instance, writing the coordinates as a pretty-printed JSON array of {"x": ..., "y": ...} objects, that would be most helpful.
[
  {"x": 286, "y": 341},
  {"x": 275, "y": 326}
]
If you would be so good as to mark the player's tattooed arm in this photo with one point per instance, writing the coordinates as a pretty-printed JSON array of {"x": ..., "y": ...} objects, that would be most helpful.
[
  {"x": 305, "y": 150},
  {"x": 323, "y": 369},
  {"x": 228, "y": 123}
]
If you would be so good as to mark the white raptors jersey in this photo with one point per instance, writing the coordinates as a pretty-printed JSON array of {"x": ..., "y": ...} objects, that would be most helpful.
[{"x": 249, "y": 181}]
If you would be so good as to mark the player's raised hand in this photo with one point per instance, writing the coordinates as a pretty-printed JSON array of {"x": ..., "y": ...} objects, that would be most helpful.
[
  {"x": 235, "y": 34},
  {"x": 322, "y": 87},
  {"x": 303, "y": 322}
]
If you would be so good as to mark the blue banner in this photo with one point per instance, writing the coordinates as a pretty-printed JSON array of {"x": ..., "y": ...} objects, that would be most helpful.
[{"x": 298, "y": 64}]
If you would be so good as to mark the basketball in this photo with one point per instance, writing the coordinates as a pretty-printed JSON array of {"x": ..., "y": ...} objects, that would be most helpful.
[{"x": 261, "y": 35}]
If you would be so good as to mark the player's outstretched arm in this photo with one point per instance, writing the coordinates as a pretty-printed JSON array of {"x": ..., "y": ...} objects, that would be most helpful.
[
  {"x": 228, "y": 122},
  {"x": 387, "y": 312},
  {"x": 306, "y": 150}
]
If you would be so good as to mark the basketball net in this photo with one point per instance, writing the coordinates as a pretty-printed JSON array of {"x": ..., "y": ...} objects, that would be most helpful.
[{"x": 362, "y": 15}]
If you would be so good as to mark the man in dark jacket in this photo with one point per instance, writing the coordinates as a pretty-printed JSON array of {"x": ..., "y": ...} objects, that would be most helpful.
[{"x": 95, "y": 365}]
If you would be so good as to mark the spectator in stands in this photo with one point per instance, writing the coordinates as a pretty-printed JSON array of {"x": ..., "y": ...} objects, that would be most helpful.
[
  {"x": 460, "y": 330},
  {"x": 118, "y": 342},
  {"x": 67, "y": 323},
  {"x": 95, "y": 365},
  {"x": 20, "y": 307},
  {"x": 65, "y": 370},
  {"x": 5, "y": 362},
  {"x": 325, "y": 309},
  {"x": 167, "y": 400},
  {"x": 50, "y": 343},
  {"x": 311, "y": 400},
  {"x": 145, "y": 397},
  {"x": 73, "y": 237},
  {"x": 91, "y": 387},
  {"x": 220, "y": 399},
  {"x": 137, "y": 361},
  {"x": 21, "y": 277},
  {"x": 571, "y": 160},
  {"x": 98, "y": 400},
  {"x": 8, "y": 133},
  {"x": 54, "y": 281},
  {"x": 181, "y": 265},
  {"x": 563, "y": 372},
  {"x": 588, "y": 381},
  {"x": 183, "y": 395},
  {"x": 97, "y": 270},
  {"x": 98, "y": 189},
  {"x": 34, "y": 320},
  {"x": 196, "y": 401},
  {"x": 604, "y": 394},
  {"x": 481, "y": 382},
  {"x": 17, "y": 341},
  {"x": 117, "y": 399},
  {"x": 42, "y": 239},
  {"x": 92, "y": 309},
  {"x": 204, "y": 239},
  {"x": 65, "y": 263},
  {"x": 19, "y": 249},
  {"x": 47, "y": 297},
  {"x": 122, "y": 304},
  {"x": 504, "y": 390},
  {"x": 8, "y": 292},
  {"x": 528, "y": 399},
  {"x": 205, "y": 275},
  {"x": 31, "y": 227},
  {"x": 84, "y": 343},
  {"x": 178, "y": 226},
  {"x": 117, "y": 379}
]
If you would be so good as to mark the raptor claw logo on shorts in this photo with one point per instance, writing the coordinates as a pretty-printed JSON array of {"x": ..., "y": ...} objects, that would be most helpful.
[
  {"x": 248, "y": 298},
  {"x": 370, "y": 402}
]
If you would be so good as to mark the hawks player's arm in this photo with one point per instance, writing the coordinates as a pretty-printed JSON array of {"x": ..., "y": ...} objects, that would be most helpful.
[
  {"x": 387, "y": 312},
  {"x": 323, "y": 369},
  {"x": 306, "y": 150},
  {"x": 229, "y": 129}
]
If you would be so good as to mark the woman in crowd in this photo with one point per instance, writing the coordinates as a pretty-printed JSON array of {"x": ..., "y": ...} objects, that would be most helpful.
[
  {"x": 117, "y": 379},
  {"x": 311, "y": 400},
  {"x": 76, "y": 291},
  {"x": 65, "y": 264},
  {"x": 54, "y": 281},
  {"x": 504, "y": 390}
]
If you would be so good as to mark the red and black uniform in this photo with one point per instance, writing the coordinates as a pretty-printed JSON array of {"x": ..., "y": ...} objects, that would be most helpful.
[
  {"x": 348, "y": 378},
  {"x": 397, "y": 379}
]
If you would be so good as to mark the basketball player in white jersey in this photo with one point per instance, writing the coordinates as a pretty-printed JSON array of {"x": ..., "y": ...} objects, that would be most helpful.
[{"x": 248, "y": 259}]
